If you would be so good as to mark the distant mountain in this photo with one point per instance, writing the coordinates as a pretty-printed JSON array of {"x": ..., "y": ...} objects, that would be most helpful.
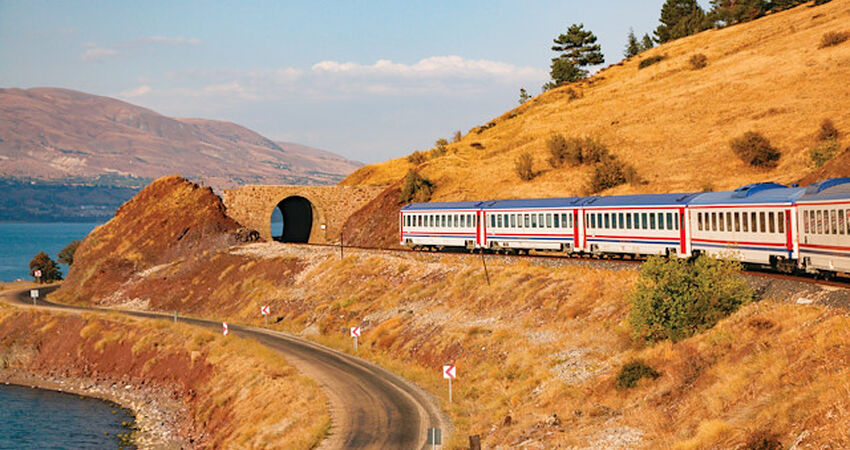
[{"x": 56, "y": 135}]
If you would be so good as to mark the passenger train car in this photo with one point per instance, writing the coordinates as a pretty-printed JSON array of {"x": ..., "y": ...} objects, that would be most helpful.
[{"x": 769, "y": 224}]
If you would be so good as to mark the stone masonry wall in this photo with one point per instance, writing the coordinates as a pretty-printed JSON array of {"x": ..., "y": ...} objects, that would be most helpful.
[{"x": 252, "y": 206}]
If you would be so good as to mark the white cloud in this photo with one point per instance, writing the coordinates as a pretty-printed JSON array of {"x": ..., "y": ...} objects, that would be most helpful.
[
  {"x": 170, "y": 40},
  {"x": 435, "y": 67},
  {"x": 135, "y": 92},
  {"x": 94, "y": 53}
]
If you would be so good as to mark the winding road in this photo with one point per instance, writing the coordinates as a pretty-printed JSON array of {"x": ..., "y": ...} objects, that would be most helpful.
[{"x": 370, "y": 407}]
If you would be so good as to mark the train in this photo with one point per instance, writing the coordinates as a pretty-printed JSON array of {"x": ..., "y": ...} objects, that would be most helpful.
[{"x": 786, "y": 228}]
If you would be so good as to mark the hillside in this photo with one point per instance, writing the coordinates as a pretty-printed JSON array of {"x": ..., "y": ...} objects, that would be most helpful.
[
  {"x": 671, "y": 122},
  {"x": 60, "y": 134},
  {"x": 538, "y": 346}
]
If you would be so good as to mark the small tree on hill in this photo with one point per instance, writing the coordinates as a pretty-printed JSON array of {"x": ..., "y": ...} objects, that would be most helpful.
[
  {"x": 457, "y": 136},
  {"x": 633, "y": 47},
  {"x": 730, "y": 12},
  {"x": 646, "y": 43},
  {"x": 66, "y": 256},
  {"x": 557, "y": 146},
  {"x": 679, "y": 18},
  {"x": 523, "y": 96},
  {"x": 49, "y": 269},
  {"x": 416, "y": 188},
  {"x": 577, "y": 49}
]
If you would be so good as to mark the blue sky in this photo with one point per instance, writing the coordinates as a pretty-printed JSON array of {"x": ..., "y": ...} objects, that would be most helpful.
[{"x": 368, "y": 80}]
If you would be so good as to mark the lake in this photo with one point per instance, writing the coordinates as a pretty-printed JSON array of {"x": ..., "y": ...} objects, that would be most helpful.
[
  {"x": 19, "y": 242},
  {"x": 37, "y": 418}
]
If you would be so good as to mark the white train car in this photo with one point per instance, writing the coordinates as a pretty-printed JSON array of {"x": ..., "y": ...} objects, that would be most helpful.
[
  {"x": 440, "y": 224},
  {"x": 824, "y": 212},
  {"x": 553, "y": 224},
  {"x": 756, "y": 224},
  {"x": 649, "y": 224}
]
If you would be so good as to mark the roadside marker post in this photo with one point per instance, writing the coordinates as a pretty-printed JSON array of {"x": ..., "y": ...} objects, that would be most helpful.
[
  {"x": 34, "y": 295},
  {"x": 224, "y": 329},
  {"x": 175, "y": 316},
  {"x": 355, "y": 333},
  {"x": 264, "y": 310},
  {"x": 450, "y": 373}
]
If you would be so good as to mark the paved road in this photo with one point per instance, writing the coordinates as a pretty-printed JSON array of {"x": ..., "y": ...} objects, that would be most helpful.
[{"x": 370, "y": 407}]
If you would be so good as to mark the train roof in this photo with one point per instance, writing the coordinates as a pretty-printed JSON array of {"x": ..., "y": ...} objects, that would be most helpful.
[
  {"x": 832, "y": 189},
  {"x": 681, "y": 199},
  {"x": 750, "y": 194},
  {"x": 562, "y": 202},
  {"x": 438, "y": 206}
]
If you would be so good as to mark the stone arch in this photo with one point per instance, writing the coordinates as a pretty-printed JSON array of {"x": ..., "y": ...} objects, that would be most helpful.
[{"x": 298, "y": 215}]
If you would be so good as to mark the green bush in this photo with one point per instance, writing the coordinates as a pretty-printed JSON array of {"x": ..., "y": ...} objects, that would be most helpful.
[
  {"x": 698, "y": 61},
  {"x": 833, "y": 38},
  {"x": 610, "y": 172},
  {"x": 66, "y": 255},
  {"x": 675, "y": 298},
  {"x": 416, "y": 188},
  {"x": 633, "y": 372},
  {"x": 49, "y": 269},
  {"x": 755, "y": 149},
  {"x": 650, "y": 61},
  {"x": 823, "y": 152},
  {"x": 524, "y": 166}
]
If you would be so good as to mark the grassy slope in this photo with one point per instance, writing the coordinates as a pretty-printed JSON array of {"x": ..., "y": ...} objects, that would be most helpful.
[
  {"x": 539, "y": 341},
  {"x": 671, "y": 122},
  {"x": 224, "y": 382}
]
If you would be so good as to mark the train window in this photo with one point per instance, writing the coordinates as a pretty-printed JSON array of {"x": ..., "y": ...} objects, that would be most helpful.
[
  {"x": 660, "y": 221},
  {"x": 519, "y": 220},
  {"x": 676, "y": 219},
  {"x": 712, "y": 224},
  {"x": 540, "y": 218},
  {"x": 729, "y": 222},
  {"x": 669, "y": 221},
  {"x": 499, "y": 220},
  {"x": 492, "y": 220},
  {"x": 505, "y": 220},
  {"x": 463, "y": 221},
  {"x": 805, "y": 221},
  {"x": 628, "y": 221},
  {"x": 722, "y": 226},
  {"x": 840, "y": 221},
  {"x": 737, "y": 222},
  {"x": 780, "y": 222},
  {"x": 592, "y": 220},
  {"x": 819, "y": 221},
  {"x": 833, "y": 219},
  {"x": 644, "y": 222},
  {"x": 443, "y": 221},
  {"x": 572, "y": 224},
  {"x": 455, "y": 220},
  {"x": 534, "y": 221},
  {"x": 762, "y": 223},
  {"x": 548, "y": 220},
  {"x": 771, "y": 221},
  {"x": 557, "y": 220},
  {"x": 745, "y": 224},
  {"x": 813, "y": 222},
  {"x": 563, "y": 220},
  {"x": 607, "y": 221},
  {"x": 526, "y": 220},
  {"x": 699, "y": 221},
  {"x": 651, "y": 221},
  {"x": 513, "y": 220},
  {"x": 754, "y": 222},
  {"x": 420, "y": 220}
]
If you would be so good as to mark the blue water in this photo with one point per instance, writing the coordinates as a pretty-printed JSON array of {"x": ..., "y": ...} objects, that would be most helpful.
[
  {"x": 19, "y": 242},
  {"x": 40, "y": 419}
]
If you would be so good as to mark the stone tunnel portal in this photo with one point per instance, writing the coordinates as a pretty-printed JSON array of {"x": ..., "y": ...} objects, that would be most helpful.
[{"x": 296, "y": 213}]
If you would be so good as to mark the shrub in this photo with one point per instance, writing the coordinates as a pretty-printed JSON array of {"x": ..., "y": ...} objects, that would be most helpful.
[
  {"x": 524, "y": 166},
  {"x": 477, "y": 145},
  {"x": 833, "y": 38},
  {"x": 557, "y": 146},
  {"x": 675, "y": 299},
  {"x": 698, "y": 61},
  {"x": 755, "y": 150},
  {"x": 821, "y": 2},
  {"x": 593, "y": 151},
  {"x": 633, "y": 372},
  {"x": 823, "y": 152},
  {"x": 66, "y": 255},
  {"x": 610, "y": 172},
  {"x": 49, "y": 269},
  {"x": 650, "y": 61},
  {"x": 417, "y": 157},
  {"x": 456, "y": 136},
  {"x": 416, "y": 188},
  {"x": 827, "y": 132}
]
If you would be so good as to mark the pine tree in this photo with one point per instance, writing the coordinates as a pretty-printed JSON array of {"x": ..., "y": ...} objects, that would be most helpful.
[
  {"x": 679, "y": 18},
  {"x": 523, "y": 96},
  {"x": 632, "y": 45},
  {"x": 646, "y": 43},
  {"x": 730, "y": 12},
  {"x": 577, "y": 49},
  {"x": 66, "y": 256}
]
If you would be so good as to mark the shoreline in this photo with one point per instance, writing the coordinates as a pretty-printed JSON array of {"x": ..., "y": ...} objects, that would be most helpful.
[{"x": 153, "y": 411}]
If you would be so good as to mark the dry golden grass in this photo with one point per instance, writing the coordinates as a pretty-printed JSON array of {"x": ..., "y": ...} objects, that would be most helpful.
[
  {"x": 671, "y": 122},
  {"x": 542, "y": 340}
]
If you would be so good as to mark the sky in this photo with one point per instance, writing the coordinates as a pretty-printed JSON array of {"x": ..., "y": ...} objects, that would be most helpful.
[{"x": 368, "y": 80}]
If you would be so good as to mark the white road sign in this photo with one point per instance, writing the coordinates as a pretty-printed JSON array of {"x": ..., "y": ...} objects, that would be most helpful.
[
  {"x": 224, "y": 329},
  {"x": 264, "y": 310},
  {"x": 37, "y": 274},
  {"x": 449, "y": 372},
  {"x": 355, "y": 332},
  {"x": 34, "y": 293}
]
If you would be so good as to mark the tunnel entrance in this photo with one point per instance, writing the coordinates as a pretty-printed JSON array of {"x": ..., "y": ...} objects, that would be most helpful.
[{"x": 292, "y": 220}]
